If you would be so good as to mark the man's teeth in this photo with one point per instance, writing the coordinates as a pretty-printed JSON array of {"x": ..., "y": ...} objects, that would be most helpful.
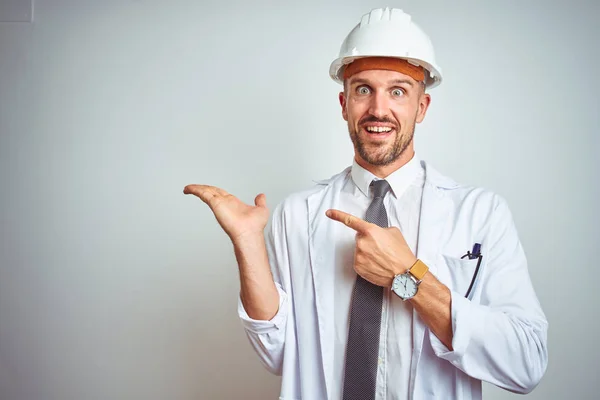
[{"x": 378, "y": 129}]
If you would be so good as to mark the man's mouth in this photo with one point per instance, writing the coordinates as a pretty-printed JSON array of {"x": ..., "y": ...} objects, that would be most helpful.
[{"x": 378, "y": 131}]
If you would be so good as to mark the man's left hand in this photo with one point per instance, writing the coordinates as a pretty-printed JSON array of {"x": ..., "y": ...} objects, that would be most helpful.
[{"x": 381, "y": 253}]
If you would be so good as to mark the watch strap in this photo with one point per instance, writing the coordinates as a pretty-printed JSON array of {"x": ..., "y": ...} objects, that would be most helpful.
[{"x": 418, "y": 270}]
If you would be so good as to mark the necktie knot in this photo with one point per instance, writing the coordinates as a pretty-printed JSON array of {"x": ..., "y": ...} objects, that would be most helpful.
[{"x": 380, "y": 188}]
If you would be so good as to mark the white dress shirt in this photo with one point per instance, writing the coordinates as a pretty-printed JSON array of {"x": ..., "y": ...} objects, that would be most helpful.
[{"x": 402, "y": 204}]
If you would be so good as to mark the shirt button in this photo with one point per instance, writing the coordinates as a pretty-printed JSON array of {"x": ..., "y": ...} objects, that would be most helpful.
[{"x": 379, "y": 360}]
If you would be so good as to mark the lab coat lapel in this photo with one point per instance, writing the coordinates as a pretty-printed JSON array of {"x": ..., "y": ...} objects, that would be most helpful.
[
  {"x": 433, "y": 227},
  {"x": 322, "y": 258}
]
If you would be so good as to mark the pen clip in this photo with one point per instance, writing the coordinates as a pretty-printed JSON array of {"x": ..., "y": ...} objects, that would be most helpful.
[{"x": 475, "y": 253}]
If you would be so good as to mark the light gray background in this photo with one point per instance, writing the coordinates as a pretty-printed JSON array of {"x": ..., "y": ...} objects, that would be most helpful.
[{"x": 114, "y": 285}]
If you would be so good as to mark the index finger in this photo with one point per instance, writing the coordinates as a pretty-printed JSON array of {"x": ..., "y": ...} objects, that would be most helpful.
[{"x": 359, "y": 225}]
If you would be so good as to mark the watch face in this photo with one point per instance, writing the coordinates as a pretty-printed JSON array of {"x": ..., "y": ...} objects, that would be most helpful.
[{"x": 405, "y": 286}]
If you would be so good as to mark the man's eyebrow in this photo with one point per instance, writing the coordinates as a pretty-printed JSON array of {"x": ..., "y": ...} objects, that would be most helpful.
[
  {"x": 359, "y": 80},
  {"x": 401, "y": 81}
]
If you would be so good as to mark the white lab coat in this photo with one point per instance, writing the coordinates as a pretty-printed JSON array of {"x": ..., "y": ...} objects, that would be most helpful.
[{"x": 500, "y": 331}]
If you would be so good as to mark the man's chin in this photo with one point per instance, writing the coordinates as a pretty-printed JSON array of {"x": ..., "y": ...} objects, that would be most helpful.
[{"x": 378, "y": 159}]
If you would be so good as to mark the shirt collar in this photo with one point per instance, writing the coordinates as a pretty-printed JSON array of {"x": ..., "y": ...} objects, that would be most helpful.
[{"x": 399, "y": 180}]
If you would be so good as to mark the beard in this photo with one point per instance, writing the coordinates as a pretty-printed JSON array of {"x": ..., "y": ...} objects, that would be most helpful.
[{"x": 383, "y": 153}]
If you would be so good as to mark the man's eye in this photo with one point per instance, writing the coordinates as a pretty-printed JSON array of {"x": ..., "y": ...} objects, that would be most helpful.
[
  {"x": 398, "y": 92},
  {"x": 363, "y": 90}
]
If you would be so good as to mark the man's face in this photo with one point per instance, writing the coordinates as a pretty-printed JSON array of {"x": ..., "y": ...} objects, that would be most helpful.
[{"x": 382, "y": 108}]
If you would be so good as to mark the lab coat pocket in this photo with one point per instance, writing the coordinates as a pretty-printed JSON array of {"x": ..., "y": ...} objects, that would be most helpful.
[{"x": 461, "y": 272}]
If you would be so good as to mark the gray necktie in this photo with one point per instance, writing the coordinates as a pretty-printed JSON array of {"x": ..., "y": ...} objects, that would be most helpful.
[{"x": 362, "y": 350}]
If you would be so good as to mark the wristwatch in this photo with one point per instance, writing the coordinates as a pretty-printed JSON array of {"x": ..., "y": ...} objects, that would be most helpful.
[{"x": 406, "y": 285}]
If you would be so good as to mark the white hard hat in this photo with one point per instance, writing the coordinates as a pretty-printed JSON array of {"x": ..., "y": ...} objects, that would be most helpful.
[{"x": 388, "y": 32}]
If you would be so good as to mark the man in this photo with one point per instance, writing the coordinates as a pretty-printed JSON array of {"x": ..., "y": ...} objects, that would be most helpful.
[{"x": 388, "y": 280}]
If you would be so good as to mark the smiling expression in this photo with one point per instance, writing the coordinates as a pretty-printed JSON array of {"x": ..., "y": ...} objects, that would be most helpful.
[{"x": 382, "y": 108}]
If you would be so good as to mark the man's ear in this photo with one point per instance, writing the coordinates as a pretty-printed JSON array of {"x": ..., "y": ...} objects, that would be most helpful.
[
  {"x": 342, "y": 97},
  {"x": 424, "y": 103}
]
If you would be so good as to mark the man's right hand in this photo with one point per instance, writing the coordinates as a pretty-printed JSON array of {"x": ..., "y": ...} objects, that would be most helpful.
[
  {"x": 238, "y": 219},
  {"x": 245, "y": 226}
]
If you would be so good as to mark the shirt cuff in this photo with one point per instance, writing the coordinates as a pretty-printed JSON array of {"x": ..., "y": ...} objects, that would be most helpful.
[
  {"x": 260, "y": 326},
  {"x": 467, "y": 322}
]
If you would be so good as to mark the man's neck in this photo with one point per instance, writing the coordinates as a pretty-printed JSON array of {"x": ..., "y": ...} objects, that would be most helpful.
[{"x": 383, "y": 171}]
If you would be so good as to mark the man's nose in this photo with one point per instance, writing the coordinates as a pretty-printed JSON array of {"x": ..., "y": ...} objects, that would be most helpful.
[{"x": 379, "y": 106}]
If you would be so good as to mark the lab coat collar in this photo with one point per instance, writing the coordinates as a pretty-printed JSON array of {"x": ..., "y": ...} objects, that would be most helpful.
[{"x": 435, "y": 178}]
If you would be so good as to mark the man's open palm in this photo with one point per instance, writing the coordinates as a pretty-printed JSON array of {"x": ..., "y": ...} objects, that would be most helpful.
[{"x": 237, "y": 218}]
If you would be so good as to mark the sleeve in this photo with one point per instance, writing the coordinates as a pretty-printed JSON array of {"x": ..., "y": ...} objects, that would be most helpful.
[
  {"x": 503, "y": 339},
  {"x": 268, "y": 337}
]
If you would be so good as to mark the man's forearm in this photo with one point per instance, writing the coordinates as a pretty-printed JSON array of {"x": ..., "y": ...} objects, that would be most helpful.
[
  {"x": 432, "y": 302},
  {"x": 257, "y": 288}
]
